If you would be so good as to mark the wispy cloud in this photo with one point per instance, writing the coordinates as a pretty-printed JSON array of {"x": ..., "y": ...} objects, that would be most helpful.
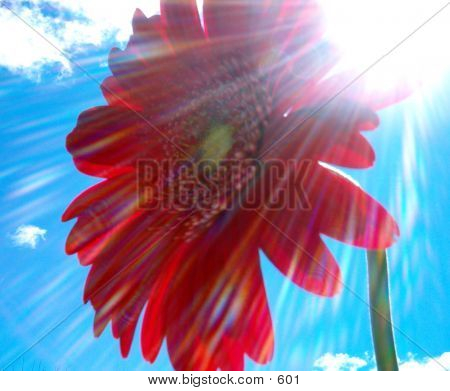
[
  {"x": 414, "y": 363},
  {"x": 339, "y": 362},
  {"x": 28, "y": 236},
  {"x": 344, "y": 362},
  {"x": 71, "y": 25}
]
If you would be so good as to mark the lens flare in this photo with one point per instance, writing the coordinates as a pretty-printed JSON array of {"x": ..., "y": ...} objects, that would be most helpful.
[{"x": 367, "y": 30}]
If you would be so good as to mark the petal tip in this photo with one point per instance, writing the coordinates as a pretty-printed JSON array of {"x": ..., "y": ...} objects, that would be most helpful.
[
  {"x": 138, "y": 18},
  {"x": 67, "y": 215},
  {"x": 69, "y": 248}
]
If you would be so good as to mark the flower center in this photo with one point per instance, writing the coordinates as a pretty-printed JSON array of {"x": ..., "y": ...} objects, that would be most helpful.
[
  {"x": 217, "y": 143},
  {"x": 223, "y": 121},
  {"x": 224, "y": 115}
]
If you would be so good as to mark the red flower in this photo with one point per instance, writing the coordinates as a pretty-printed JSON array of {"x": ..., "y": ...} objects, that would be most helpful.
[{"x": 247, "y": 83}]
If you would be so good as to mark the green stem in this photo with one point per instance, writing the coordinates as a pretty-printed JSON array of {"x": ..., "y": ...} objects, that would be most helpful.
[{"x": 380, "y": 311}]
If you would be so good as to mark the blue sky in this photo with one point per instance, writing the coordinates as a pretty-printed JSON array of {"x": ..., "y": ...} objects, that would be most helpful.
[{"x": 40, "y": 99}]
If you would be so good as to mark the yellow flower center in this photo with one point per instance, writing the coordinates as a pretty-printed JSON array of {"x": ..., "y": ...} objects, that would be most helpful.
[{"x": 217, "y": 143}]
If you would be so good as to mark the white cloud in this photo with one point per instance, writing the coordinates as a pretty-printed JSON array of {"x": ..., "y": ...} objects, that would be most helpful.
[
  {"x": 71, "y": 25},
  {"x": 344, "y": 362},
  {"x": 28, "y": 236},
  {"x": 339, "y": 362},
  {"x": 437, "y": 363}
]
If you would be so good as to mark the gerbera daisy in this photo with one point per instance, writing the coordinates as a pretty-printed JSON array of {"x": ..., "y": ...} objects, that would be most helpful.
[{"x": 247, "y": 80}]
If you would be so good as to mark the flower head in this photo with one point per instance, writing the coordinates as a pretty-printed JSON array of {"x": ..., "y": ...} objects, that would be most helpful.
[{"x": 246, "y": 83}]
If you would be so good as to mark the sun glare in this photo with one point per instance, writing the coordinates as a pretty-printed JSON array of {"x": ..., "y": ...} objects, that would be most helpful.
[{"x": 366, "y": 30}]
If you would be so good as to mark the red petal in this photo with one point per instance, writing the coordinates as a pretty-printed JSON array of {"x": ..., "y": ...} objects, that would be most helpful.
[
  {"x": 354, "y": 152},
  {"x": 127, "y": 339},
  {"x": 239, "y": 27},
  {"x": 228, "y": 18},
  {"x": 128, "y": 251},
  {"x": 218, "y": 305},
  {"x": 96, "y": 194},
  {"x": 103, "y": 243},
  {"x": 123, "y": 276},
  {"x": 323, "y": 134},
  {"x": 301, "y": 255},
  {"x": 182, "y": 20},
  {"x": 102, "y": 215},
  {"x": 154, "y": 77},
  {"x": 113, "y": 137},
  {"x": 140, "y": 22},
  {"x": 342, "y": 210},
  {"x": 151, "y": 284},
  {"x": 148, "y": 70},
  {"x": 116, "y": 95},
  {"x": 152, "y": 334},
  {"x": 232, "y": 357}
]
